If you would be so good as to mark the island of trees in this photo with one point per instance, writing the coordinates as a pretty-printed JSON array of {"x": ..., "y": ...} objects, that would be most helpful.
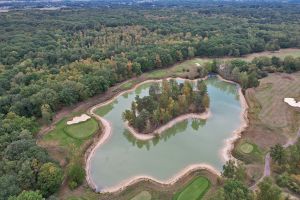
[{"x": 164, "y": 103}]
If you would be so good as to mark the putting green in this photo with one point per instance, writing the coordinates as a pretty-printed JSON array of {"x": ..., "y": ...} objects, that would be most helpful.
[
  {"x": 82, "y": 130},
  {"x": 144, "y": 195},
  {"x": 246, "y": 148},
  {"x": 195, "y": 190}
]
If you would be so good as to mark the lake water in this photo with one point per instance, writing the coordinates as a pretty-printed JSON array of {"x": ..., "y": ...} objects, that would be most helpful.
[{"x": 189, "y": 142}]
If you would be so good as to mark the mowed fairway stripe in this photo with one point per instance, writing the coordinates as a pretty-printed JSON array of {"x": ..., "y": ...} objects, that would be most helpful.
[{"x": 195, "y": 190}]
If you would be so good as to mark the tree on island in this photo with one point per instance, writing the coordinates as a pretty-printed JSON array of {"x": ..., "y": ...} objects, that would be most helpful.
[{"x": 165, "y": 102}]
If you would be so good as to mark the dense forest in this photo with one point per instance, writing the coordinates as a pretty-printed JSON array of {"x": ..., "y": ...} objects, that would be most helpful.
[
  {"x": 51, "y": 59},
  {"x": 166, "y": 102}
]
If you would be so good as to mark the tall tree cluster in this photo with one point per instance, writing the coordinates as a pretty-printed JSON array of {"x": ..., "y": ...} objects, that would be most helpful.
[
  {"x": 248, "y": 73},
  {"x": 166, "y": 102}
]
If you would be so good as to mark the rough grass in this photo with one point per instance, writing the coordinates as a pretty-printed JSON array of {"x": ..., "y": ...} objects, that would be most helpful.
[
  {"x": 127, "y": 85},
  {"x": 194, "y": 190},
  {"x": 144, "y": 195},
  {"x": 275, "y": 113},
  {"x": 157, "y": 74}
]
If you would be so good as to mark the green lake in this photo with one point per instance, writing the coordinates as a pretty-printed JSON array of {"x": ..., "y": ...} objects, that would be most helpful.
[{"x": 189, "y": 142}]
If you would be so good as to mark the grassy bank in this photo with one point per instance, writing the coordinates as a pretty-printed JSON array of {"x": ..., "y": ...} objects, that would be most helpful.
[{"x": 195, "y": 190}]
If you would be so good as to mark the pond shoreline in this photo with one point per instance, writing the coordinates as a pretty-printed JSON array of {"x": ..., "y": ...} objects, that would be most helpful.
[
  {"x": 106, "y": 133},
  {"x": 158, "y": 131}
]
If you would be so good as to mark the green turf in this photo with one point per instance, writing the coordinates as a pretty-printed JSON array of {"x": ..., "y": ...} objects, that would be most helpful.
[
  {"x": 246, "y": 147},
  {"x": 157, "y": 73},
  {"x": 82, "y": 130},
  {"x": 194, "y": 190},
  {"x": 248, "y": 152},
  {"x": 144, "y": 195},
  {"x": 59, "y": 134},
  {"x": 127, "y": 85},
  {"x": 103, "y": 110}
]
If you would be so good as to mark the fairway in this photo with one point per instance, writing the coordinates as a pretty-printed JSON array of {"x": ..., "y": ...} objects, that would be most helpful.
[
  {"x": 82, "y": 130},
  {"x": 195, "y": 190}
]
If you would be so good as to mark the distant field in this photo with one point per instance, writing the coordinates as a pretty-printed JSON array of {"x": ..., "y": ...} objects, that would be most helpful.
[
  {"x": 195, "y": 190},
  {"x": 282, "y": 53},
  {"x": 188, "y": 69}
]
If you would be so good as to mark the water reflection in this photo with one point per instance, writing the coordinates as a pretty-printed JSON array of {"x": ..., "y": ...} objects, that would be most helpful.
[
  {"x": 197, "y": 123},
  {"x": 224, "y": 87},
  {"x": 177, "y": 128}
]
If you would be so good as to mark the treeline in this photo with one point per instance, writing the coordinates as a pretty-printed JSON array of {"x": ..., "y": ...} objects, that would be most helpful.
[
  {"x": 249, "y": 73},
  {"x": 286, "y": 166},
  {"x": 166, "y": 102}
]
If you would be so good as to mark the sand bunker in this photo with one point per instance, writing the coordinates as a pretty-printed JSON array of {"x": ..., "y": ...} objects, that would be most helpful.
[
  {"x": 81, "y": 118},
  {"x": 292, "y": 102}
]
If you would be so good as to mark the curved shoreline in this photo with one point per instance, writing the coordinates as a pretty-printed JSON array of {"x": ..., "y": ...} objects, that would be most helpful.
[
  {"x": 237, "y": 134},
  {"x": 225, "y": 151},
  {"x": 161, "y": 129}
]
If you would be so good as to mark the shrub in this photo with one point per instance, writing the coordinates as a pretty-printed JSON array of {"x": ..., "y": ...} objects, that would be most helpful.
[{"x": 76, "y": 175}]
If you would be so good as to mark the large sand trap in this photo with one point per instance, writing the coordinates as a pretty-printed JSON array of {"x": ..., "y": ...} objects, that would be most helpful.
[
  {"x": 81, "y": 118},
  {"x": 292, "y": 102}
]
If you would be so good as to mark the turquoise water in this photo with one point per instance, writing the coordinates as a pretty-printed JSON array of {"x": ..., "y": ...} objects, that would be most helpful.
[{"x": 192, "y": 141}]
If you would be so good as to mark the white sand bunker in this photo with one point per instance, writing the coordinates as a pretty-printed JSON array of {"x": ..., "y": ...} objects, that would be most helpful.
[
  {"x": 81, "y": 118},
  {"x": 292, "y": 102},
  {"x": 198, "y": 64}
]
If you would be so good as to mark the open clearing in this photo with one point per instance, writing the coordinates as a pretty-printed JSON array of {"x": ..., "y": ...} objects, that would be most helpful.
[
  {"x": 195, "y": 190},
  {"x": 188, "y": 69}
]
